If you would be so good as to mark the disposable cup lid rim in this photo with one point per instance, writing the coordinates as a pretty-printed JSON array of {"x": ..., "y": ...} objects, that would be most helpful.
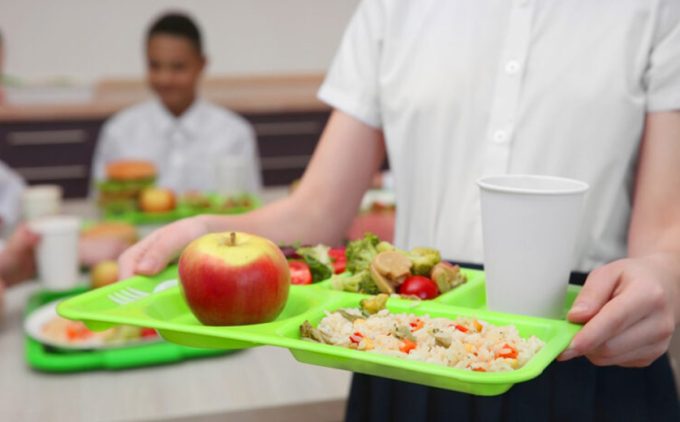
[{"x": 570, "y": 186}]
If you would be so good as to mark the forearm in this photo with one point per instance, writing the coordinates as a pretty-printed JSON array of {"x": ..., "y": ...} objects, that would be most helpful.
[
  {"x": 654, "y": 233},
  {"x": 321, "y": 209}
]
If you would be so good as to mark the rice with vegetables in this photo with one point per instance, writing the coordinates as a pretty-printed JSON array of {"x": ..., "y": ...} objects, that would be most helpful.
[{"x": 463, "y": 343}]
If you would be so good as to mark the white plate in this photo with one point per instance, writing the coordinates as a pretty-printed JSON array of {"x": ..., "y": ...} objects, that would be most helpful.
[{"x": 37, "y": 319}]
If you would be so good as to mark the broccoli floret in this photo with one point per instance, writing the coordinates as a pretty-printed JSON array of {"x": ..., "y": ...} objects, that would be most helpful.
[
  {"x": 368, "y": 286},
  {"x": 384, "y": 247},
  {"x": 361, "y": 252},
  {"x": 423, "y": 260},
  {"x": 360, "y": 282}
]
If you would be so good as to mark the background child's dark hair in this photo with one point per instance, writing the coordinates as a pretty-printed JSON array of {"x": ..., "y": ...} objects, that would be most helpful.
[{"x": 179, "y": 25}]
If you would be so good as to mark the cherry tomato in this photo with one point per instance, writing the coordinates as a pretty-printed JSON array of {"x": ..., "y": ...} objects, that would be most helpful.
[
  {"x": 339, "y": 266},
  {"x": 337, "y": 253},
  {"x": 338, "y": 259},
  {"x": 421, "y": 286},
  {"x": 299, "y": 272}
]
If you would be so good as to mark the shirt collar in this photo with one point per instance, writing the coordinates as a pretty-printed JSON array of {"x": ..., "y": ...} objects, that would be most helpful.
[{"x": 189, "y": 122}]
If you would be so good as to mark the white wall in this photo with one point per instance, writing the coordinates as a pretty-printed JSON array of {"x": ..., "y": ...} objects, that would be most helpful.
[{"x": 89, "y": 40}]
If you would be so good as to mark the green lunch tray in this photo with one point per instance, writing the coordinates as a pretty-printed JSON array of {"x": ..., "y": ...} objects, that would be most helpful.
[
  {"x": 52, "y": 359},
  {"x": 168, "y": 312},
  {"x": 182, "y": 211}
]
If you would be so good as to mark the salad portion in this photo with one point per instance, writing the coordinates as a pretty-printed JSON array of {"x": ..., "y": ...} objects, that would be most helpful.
[
  {"x": 376, "y": 266},
  {"x": 372, "y": 266}
]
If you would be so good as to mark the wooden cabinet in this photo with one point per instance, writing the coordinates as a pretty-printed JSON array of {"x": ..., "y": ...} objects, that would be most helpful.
[
  {"x": 286, "y": 143},
  {"x": 51, "y": 152}
]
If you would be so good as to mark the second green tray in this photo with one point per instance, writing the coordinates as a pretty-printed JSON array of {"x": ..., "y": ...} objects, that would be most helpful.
[{"x": 51, "y": 359}]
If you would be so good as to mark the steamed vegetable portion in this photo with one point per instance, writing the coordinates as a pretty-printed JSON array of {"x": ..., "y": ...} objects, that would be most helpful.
[{"x": 379, "y": 267}]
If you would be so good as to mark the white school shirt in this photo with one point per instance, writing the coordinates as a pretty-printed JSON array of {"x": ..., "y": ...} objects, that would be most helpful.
[
  {"x": 186, "y": 150},
  {"x": 11, "y": 188},
  {"x": 463, "y": 89}
]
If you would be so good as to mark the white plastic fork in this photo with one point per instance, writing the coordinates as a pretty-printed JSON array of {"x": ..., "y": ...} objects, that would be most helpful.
[
  {"x": 130, "y": 294},
  {"x": 127, "y": 295}
]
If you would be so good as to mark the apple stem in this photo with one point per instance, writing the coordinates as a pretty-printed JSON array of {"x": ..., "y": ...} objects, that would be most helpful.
[{"x": 232, "y": 239}]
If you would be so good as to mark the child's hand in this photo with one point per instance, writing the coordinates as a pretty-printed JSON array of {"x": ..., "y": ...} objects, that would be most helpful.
[
  {"x": 630, "y": 308},
  {"x": 152, "y": 254},
  {"x": 17, "y": 262}
]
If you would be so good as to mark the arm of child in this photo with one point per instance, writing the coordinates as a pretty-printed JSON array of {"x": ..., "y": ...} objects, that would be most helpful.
[{"x": 630, "y": 307}]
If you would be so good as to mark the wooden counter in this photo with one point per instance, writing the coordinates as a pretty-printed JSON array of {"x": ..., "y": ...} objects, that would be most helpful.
[
  {"x": 244, "y": 95},
  {"x": 54, "y": 143}
]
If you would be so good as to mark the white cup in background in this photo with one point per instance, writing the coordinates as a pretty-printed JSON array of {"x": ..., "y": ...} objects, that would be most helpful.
[
  {"x": 530, "y": 225},
  {"x": 231, "y": 176},
  {"x": 41, "y": 200},
  {"x": 57, "y": 252}
]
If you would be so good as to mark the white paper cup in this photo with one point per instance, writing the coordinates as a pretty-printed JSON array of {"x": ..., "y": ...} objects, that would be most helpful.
[
  {"x": 57, "y": 252},
  {"x": 41, "y": 200},
  {"x": 231, "y": 176},
  {"x": 530, "y": 225}
]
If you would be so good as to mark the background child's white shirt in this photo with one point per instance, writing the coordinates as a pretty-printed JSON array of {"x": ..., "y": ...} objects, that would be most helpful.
[
  {"x": 186, "y": 150},
  {"x": 11, "y": 188}
]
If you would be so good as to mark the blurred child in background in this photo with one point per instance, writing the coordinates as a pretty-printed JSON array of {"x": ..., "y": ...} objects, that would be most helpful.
[{"x": 186, "y": 137}]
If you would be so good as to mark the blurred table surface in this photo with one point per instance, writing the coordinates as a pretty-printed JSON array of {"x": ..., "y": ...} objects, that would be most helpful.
[{"x": 262, "y": 383}]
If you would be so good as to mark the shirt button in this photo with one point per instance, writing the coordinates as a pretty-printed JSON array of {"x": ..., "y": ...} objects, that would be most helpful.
[
  {"x": 500, "y": 136},
  {"x": 512, "y": 67}
]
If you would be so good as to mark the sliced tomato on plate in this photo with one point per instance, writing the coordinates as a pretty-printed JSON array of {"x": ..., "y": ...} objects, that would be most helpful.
[{"x": 299, "y": 272}]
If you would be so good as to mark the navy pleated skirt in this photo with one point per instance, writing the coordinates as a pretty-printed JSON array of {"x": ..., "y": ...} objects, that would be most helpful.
[{"x": 574, "y": 390}]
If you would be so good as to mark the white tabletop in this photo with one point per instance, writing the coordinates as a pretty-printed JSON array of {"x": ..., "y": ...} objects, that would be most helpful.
[{"x": 233, "y": 387}]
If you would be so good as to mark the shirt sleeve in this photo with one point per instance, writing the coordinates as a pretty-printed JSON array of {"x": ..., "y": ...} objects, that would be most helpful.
[
  {"x": 351, "y": 84},
  {"x": 663, "y": 73},
  {"x": 11, "y": 188}
]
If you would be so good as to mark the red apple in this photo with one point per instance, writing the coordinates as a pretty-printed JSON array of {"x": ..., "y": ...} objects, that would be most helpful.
[
  {"x": 103, "y": 274},
  {"x": 157, "y": 200},
  {"x": 234, "y": 278}
]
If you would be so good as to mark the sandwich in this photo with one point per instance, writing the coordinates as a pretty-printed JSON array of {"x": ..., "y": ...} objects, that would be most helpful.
[{"x": 125, "y": 180}]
